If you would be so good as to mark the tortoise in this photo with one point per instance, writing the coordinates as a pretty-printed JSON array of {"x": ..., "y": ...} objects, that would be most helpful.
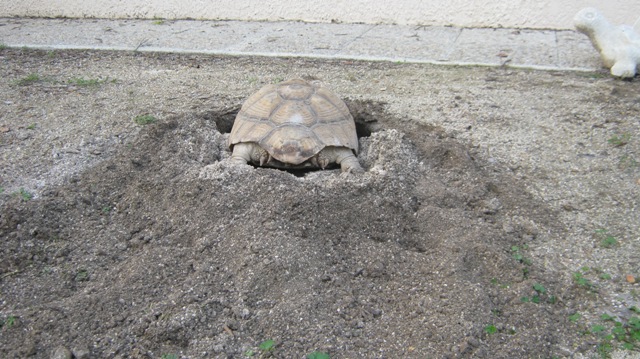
[{"x": 295, "y": 124}]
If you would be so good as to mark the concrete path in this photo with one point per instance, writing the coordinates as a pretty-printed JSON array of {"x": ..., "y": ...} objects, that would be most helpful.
[{"x": 539, "y": 49}]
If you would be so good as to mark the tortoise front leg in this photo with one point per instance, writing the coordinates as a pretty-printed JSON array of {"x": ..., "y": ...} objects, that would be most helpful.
[
  {"x": 341, "y": 155},
  {"x": 249, "y": 152}
]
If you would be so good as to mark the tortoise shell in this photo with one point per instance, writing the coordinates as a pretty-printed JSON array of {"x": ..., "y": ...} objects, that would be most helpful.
[{"x": 293, "y": 121}]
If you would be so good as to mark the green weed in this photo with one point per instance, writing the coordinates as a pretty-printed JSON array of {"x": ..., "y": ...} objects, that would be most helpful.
[
  {"x": 24, "y": 194},
  {"x": 539, "y": 288},
  {"x": 3, "y": 46},
  {"x": 169, "y": 356},
  {"x": 540, "y": 292},
  {"x": 490, "y": 329},
  {"x": 619, "y": 140},
  {"x": 31, "y": 126},
  {"x": 82, "y": 275},
  {"x": 28, "y": 80},
  {"x": 267, "y": 345},
  {"x": 581, "y": 281},
  {"x": 606, "y": 240},
  {"x": 9, "y": 322},
  {"x": 516, "y": 253},
  {"x": 574, "y": 317},
  {"x": 627, "y": 335},
  {"x": 318, "y": 355},
  {"x": 144, "y": 119},
  {"x": 265, "y": 349},
  {"x": 613, "y": 333},
  {"x": 495, "y": 281},
  {"x": 605, "y": 276}
]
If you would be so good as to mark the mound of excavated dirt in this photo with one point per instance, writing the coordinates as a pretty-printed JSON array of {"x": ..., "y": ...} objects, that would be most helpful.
[{"x": 167, "y": 248}]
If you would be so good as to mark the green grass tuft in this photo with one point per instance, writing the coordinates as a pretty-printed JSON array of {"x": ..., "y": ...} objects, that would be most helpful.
[
  {"x": 28, "y": 80},
  {"x": 144, "y": 119}
]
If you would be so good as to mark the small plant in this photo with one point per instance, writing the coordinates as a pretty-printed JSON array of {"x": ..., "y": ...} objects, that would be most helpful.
[
  {"x": 490, "y": 329},
  {"x": 607, "y": 240},
  {"x": 540, "y": 291},
  {"x": 605, "y": 276},
  {"x": 144, "y": 119},
  {"x": 620, "y": 334},
  {"x": 516, "y": 253},
  {"x": 574, "y": 317},
  {"x": 581, "y": 281},
  {"x": 495, "y": 281},
  {"x": 3, "y": 46},
  {"x": 24, "y": 194},
  {"x": 9, "y": 322},
  {"x": 539, "y": 288},
  {"x": 169, "y": 356},
  {"x": 158, "y": 22},
  {"x": 267, "y": 345},
  {"x": 31, "y": 126},
  {"x": 318, "y": 355},
  {"x": 106, "y": 210},
  {"x": 627, "y": 334},
  {"x": 28, "y": 80},
  {"x": 82, "y": 275},
  {"x": 619, "y": 140}
]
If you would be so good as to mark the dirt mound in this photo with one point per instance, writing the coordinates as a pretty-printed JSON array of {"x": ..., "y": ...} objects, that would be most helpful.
[{"x": 167, "y": 250}]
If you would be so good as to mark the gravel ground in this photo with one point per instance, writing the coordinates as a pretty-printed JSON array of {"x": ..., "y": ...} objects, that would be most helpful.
[{"x": 497, "y": 216}]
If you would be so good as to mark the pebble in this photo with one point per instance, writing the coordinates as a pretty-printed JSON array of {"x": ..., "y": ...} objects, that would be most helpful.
[
  {"x": 631, "y": 279},
  {"x": 61, "y": 353}
]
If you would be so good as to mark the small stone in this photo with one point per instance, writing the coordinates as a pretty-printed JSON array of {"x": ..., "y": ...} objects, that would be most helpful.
[
  {"x": 61, "y": 353},
  {"x": 245, "y": 314},
  {"x": 233, "y": 324},
  {"x": 631, "y": 279}
]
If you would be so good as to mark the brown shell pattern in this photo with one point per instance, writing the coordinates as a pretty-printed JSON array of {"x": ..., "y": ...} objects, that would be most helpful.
[{"x": 294, "y": 120}]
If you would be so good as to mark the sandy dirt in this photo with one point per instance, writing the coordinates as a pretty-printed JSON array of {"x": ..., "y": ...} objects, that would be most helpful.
[{"x": 497, "y": 216}]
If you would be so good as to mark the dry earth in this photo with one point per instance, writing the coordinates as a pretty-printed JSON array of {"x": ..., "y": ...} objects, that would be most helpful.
[{"x": 498, "y": 215}]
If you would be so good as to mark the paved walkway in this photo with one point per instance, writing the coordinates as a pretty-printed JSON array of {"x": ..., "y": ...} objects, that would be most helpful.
[{"x": 541, "y": 49}]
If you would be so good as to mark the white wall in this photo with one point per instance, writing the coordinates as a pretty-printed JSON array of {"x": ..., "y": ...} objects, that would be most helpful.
[{"x": 554, "y": 14}]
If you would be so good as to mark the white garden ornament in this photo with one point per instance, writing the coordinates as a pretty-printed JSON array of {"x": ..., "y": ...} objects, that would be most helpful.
[{"x": 619, "y": 46}]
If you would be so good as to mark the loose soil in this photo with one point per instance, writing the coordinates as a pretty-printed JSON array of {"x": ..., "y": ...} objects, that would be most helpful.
[{"x": 481, "y": 226}]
